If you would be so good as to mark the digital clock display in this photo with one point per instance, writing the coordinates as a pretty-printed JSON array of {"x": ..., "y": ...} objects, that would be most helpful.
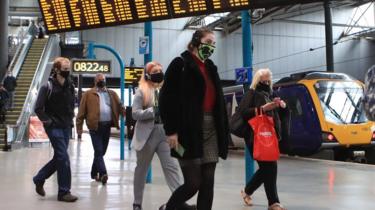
[
  {"x": 73, "y": 15},
  {"x": 88, "y": 66}
]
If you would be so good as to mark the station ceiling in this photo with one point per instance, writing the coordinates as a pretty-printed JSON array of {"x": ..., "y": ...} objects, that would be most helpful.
[{"x": 269, "y": 10}]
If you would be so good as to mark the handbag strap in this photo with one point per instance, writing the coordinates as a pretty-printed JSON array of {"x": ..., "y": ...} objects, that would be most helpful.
[{"x": 259, "y": 111}]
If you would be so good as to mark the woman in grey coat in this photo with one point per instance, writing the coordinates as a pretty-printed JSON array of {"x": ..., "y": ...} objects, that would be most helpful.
[{"x": 149, "y": 136}]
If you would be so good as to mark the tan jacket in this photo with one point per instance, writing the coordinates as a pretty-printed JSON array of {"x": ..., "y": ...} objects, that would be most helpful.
[{"x": 89, "y": 110}]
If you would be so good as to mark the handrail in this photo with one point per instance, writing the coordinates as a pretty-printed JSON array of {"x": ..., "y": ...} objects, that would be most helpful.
[
  {"x": 23, "y": 53},
  {"x": 19, "y": 48},
  {"x": 28, "y": 107},
  {"x": 19, "y": 62}
]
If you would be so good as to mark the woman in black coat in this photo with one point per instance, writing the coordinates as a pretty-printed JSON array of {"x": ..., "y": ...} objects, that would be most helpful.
[
  {"x": 260, "y": 98},
  {"x": 193, "y": 112}
]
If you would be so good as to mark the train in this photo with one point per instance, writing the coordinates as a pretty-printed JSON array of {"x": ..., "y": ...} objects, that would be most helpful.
[{"x": 324, "y": 112}]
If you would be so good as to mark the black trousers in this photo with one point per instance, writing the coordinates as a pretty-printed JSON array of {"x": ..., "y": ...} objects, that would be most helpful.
[
  {"x": 267, "y": 175},
  {"x": 197, "y": 177}
]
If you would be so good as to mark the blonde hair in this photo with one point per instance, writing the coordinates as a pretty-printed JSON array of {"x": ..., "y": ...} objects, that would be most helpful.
[
  {"x": 257, "y": 76},
  {"x": 146, "y": 86}
]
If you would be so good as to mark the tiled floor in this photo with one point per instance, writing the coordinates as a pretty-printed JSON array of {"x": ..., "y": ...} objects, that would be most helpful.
[{"x": 303, "y": 184}]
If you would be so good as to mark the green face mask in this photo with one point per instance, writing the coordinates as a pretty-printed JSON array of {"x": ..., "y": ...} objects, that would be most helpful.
[{"x": 205, "y": 51}]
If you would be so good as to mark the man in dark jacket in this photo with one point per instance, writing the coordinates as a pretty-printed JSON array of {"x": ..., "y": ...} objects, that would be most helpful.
[
  {"x": 3, "y": 101},
  {"x": 55, "y": 108},
  {"x": 10, "y": 84}
]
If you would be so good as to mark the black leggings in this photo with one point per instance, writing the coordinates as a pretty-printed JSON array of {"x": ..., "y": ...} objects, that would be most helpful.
[
  {"x": 267, "y": 175},
  {"x": 197, "y": 177}
]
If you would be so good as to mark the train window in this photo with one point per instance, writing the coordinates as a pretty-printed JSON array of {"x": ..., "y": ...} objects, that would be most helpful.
[
  {"x": 295, "y": 107},
  {"x": 341, "y": 101}
]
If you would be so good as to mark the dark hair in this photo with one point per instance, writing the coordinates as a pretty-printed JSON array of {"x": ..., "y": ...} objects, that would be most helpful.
[{"x": 197, "y": 36}]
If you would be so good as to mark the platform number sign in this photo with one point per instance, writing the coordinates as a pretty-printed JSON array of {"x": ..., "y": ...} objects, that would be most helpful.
[
  {"x": 73, "y": 15},
  {"x": 91, "y": 66},
  {"x": 242, "y": 75}
]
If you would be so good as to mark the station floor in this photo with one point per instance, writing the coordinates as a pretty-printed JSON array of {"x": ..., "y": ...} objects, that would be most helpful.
[{"x": 303, "y": 184}]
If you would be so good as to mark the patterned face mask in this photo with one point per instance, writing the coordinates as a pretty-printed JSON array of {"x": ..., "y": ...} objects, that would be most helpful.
[{"x": 205, "y": 51}]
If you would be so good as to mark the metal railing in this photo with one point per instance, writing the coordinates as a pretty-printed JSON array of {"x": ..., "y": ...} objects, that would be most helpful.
[
  {"x": 17, "y": 132},
  {"x": 22, "y": 37}
]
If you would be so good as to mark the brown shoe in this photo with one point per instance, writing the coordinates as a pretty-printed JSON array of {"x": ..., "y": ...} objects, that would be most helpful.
[
  {"x": 40, "y": 189},
  {"x": 276, "y": 206},
  {"x": 104, "y": 179},
  {"x": 246, "y": 198},
  {"x": 68, "y": 198}
]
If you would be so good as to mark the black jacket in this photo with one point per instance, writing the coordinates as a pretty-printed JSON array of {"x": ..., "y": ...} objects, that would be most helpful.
[
  {"x": 10, "y": 83},
  {"x": 252, "y": 100},
  {"x": 4, "y": 97},
  {"x": 55, "y": 106},
  {"x": 181, "y": 106}
]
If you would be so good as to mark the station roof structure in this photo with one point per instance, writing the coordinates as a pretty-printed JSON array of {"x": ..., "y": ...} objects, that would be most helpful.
[{"x": 264, "y": 11}]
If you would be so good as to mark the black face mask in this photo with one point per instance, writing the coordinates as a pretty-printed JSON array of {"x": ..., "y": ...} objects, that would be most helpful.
[
  {"x": 157, "y": 77},
  {"x": 264, "y": 87},
  {"x": 100, "y": 84},
  {"x": 65, "y": 74}
]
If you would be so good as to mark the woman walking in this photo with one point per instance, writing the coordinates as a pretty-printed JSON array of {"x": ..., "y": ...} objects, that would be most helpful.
[
  {"x": 149, "y": 136},
  {"x": 194, "y": 115},
  {"x": 259, "y": 99}
]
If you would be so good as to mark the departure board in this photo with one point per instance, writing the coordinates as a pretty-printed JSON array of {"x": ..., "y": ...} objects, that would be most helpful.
[
  {"x": 73, "y": 15},
  {"x": 133, "y": 75}
]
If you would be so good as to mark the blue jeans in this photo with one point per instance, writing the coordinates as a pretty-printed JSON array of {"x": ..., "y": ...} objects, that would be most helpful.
[
  {"x": 100, "y": 140},
  {"x": 59, "y": 138}
]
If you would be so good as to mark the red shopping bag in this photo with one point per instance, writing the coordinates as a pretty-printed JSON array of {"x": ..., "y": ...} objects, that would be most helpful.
[{"x": 266, "y": 144}]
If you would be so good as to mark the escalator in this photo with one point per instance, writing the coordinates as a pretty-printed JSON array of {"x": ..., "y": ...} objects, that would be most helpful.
[{"x": 26, "y": 75}]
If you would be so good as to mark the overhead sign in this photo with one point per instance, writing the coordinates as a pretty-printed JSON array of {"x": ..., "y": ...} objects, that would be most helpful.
[
  {"x": 144, "y": 46},
  {"x": 133, "y": 75},
  {"x": 242, "y": 75},
  {"x": 73, "y": 15},
  {"x": 91, "y": 66}
]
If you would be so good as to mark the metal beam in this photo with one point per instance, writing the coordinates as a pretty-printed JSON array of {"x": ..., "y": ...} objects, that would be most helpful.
[
  {"x": 329, "y": 37},
  {"x": 322, "y": 23},
  {"x": 273, "y": 3}
]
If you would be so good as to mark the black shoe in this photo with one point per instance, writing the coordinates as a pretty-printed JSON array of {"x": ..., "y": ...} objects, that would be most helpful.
[
  {"x": 162, "y": 207},
  {"x": 67, "y": 198},
  {"x": 137, "y": 207},
  {"x": 104, "y": 179},
  {"x": 40, "y": 189},
  {"x": 186, "y": 206}
]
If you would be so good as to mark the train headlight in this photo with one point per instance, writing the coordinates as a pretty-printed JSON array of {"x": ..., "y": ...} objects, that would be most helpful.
[{"x": 329, "y": 137}]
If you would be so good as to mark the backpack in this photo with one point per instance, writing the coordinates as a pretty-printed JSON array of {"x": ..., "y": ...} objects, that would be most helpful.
[
  {"x": 50, "y": 89},
  {"x": 369, "y": 94}
]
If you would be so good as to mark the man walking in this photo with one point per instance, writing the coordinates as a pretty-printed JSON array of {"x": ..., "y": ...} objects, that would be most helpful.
[
  {"x": 10, "y": 84},
  {"x": 101, "y": 108},
  {"x": 55, "y": 108}
]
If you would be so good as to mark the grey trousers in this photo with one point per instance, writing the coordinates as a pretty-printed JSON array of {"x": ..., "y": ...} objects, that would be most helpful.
[{"x": 156, "y": 143}]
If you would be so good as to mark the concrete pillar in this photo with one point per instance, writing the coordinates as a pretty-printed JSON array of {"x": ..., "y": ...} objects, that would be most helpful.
[{"x": 4, "y": 9}]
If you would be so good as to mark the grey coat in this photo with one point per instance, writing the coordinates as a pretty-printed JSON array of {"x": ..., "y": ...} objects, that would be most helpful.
[{"x": 145, "y": 121}]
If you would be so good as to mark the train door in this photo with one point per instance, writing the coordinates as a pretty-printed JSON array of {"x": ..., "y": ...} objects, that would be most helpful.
[{"x": 301, "y": 127}]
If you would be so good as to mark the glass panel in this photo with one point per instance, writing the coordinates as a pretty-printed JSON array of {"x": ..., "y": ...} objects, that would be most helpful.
[{"x": 341, "y": 101}]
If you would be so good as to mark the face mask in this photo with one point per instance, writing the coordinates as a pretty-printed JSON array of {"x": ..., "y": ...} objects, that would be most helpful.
[
  {"x": 264, "y": 87},
  {"x": 205, "y": 51},
  {"x": 157, "y": 77},
  {"x": 100, "y": 84},
  {"x": 65, "y": 74}
]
